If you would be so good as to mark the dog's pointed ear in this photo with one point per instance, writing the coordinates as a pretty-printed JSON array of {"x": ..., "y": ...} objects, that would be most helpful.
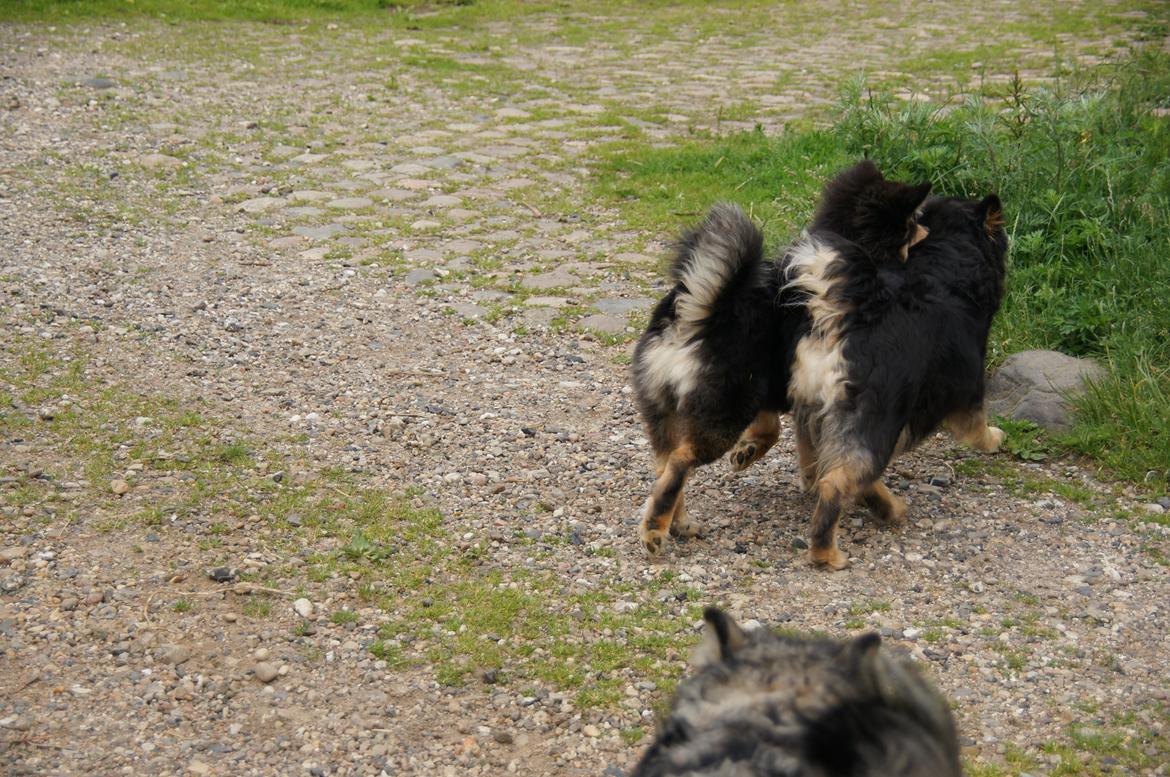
[
  {"x": 722, "y": 637},
  {"x": 990, "y": 210},
  {"x": 919, "y": 193},
  {"x": 868, "y": 170},
  {"x": 910, "y": 198},
  {"x": 861, "y": 656}
]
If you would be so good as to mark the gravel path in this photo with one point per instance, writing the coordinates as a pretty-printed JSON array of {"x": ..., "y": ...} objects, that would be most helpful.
[{"x": 318, "y": 452}]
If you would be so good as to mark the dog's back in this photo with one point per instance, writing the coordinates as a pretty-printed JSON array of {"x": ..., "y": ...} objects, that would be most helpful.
[{"x": 764, "y": 705}]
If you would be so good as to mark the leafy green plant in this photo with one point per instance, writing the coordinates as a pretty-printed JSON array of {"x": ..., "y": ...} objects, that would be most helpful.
[{"x": 1024, "y": 439}]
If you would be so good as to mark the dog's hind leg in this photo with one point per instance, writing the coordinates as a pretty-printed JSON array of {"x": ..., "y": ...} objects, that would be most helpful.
[
  {"x": 665, "y": 499},
  {"x": 887, "y": 507},
  {"x": 806, "y": 455},
  {"x": 682, "y": 525},
  {"x": 970, "y": 426},
  {"x": 761, "y": 434},
  {"x": 836, "y": 489}
]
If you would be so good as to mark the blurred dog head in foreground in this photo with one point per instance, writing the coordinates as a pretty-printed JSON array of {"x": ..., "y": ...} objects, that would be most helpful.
[{"x": 764, "y": 705}]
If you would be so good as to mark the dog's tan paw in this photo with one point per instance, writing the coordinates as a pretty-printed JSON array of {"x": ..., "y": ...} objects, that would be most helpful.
[
  {"x": 653, "y": 541},
  {"x": 744, "y": 454},
  {"x": 832, "y": 558},
  {"x": 685, "y": 528},
  {"x": 893, "y": 511},
  {"x": 995, "y": 437}
]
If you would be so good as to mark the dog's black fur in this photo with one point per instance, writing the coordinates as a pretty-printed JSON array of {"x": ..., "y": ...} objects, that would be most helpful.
[
  {"x": 913, "y": 342},
  {"x": 716, "y": 358},
  {"x": 861, "y": 206},
  {"x": 762, "y": 705}
]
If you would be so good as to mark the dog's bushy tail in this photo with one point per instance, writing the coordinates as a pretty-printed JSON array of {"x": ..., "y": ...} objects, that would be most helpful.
[{"x": 714, "y": 262}]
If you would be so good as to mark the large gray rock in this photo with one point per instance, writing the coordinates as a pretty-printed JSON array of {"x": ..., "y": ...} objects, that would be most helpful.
[{"x": 1037, "y": 386}]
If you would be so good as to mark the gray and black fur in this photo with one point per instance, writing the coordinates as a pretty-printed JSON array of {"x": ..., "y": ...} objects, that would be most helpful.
[
  {"x": 762, "y": 705},
  {"x": 712, "y": 372}
]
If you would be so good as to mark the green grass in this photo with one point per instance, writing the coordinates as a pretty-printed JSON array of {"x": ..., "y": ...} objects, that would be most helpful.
[
  {"x": 342, "y": 617},
  {"x": 257, "y": 10},
  {"x": 1084, "y": 171},
  {"x": 775, "y": 179},
  {"x": 257, "y": 607}
]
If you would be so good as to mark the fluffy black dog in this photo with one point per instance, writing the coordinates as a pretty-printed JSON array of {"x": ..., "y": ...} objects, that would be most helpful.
[
  {"x": 713, "y": 371},
  {"x": 762, "y": 705},
  {"x": 892, "y": 353}
]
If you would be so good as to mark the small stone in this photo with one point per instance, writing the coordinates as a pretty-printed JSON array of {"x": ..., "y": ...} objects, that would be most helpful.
[
  {"x": 620, "y": 307},
  {"x": 303, "y": 607},
  {"x": 502, "y": 737},
  {"x": 262, "y": 204},
  {"x": 198, "y": 767},
  {"x": 265, "y": 672},
  {"x": 222, "y": 574},
  {"x": 119, "y": 487},
  {"x": 320, "y": 233},
  {"x": 349, "y": 203},
  {"x": 99, "y": 83},
  {"x": 1153, "y": 508},
  {"x": 799, "y": 544},
  {"x": 160, "y": 162},
  {"x": 12, "y": 584},
  {"x": 490, "y": 676},
  {"x": 1038, "y": 386},
  {"x": 232, "y": 324},
  {"x": 420, "y": 275},
  {"x": 602, "y": 322},
  {"x": 551, "y": 280},
  {"x": 1165, "y": 502},
  {"x": 175, "y": 654},
  {"x": 11, "y": 554},
  {"x": 591, "y": 730}
]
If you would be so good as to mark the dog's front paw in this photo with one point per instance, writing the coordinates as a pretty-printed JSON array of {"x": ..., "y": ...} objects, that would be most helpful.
[
  {"x": 653, "y": 542},
  {"x": 995, "y": 437},
  {"x": 830, "y": 557},
  {"x": 744, "y": 454}
]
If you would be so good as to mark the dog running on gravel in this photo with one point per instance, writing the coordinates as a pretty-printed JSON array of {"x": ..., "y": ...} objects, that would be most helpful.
[
  {"x": 762, "y": 705},
  {"x": 892, "y": 354},
  {"x": 714, "y": 367}
]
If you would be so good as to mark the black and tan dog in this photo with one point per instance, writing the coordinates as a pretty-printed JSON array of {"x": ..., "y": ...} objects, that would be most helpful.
[
  {"x": 714, "y": 369},
  {"x": 891, "y": 354},
  {"x": 761, "y": 705}
]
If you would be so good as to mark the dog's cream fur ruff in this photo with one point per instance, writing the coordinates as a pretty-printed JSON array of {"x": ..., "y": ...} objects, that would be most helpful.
[{"x": 818, "y": 372}]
